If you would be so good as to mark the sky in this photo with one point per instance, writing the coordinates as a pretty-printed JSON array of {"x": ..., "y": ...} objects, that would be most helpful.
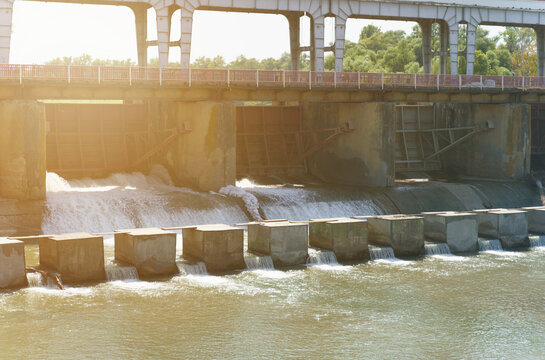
[{"x": 44, "y": 31}]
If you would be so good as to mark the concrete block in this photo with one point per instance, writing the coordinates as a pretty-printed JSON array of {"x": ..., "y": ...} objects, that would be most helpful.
[
  {"x": 220, "y": 247},
  {"x": 77, "y": 257},
  {"x": 285, "y": 242},
  {"x": 509, "y": 226},
  {"x": 346, "y": 237},
  {"x": 152, "y": 251},
  {"x": 12, "y": 264},
  {"x": 536, "y": 219},
  {"x": 404, "y": 233},
  {"x": 458, "y": 230}
]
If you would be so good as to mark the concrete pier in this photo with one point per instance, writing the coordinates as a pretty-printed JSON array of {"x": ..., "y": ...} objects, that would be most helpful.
[
  {"x": 285, "y": 242},
  {"x": 536, "y": 219},
  {"x": 12, "y": 264},
  {"x": 404, "y": 233},
  {"x": 509, "y": 226},
  {"x": 152, "y": 251},
  {"x": 77, "y": 257},
  {"x": 220, "y": 247},
  {"x": 346, "y": 237},
  {"x": 458, "y": 230}
]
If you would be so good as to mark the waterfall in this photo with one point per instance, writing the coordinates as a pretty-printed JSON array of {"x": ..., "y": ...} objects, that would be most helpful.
[
  {"x": 377, "y": 253},
  {"x": 127, "y": 201},
  {"x": 437, "y": 249},
  {"x": 541, "y": 192},
  {"x": 321, "y": 257},
  {"x": 490, "y": 245},
  {"x": 537, "y": 241},
  {"x": 35, "y": 280},
  {"x": 192, "y": 269},
  {"x": 254, "y": 262},
  {"x": 115, "y": 273},
  {"x": 40, "y": 278}
]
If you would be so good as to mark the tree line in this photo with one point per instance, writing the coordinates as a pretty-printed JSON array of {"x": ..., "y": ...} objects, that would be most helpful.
[{"x": 512, "y": 52}]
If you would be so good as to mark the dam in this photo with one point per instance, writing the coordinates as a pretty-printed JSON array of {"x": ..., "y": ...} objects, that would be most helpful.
[{"x": 177, "y": 212}]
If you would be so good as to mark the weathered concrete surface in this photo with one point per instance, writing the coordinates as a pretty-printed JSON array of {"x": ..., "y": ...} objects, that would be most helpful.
[
  {"x": 12, "y": 264},
  {"x": 458, "y": 230},
  {"x": 205, "y": 158},
  {"x": 22, "y": 150},
  {"x": 346, "y": 237},
  {"x": 362, "y": 157},
  {"x": 536, "y": 219},
  {"x": 509, "y": 226},
  {"x": 152, "y": 251},
  {"x": 285, "y": 242},
  {"x": 404, "y": 233},
  {"x": 77, "y": 257},
  {"x": 500, "y": 153},
  {"x": 220, "y": 247},
  {"x": 20, "y": 218}
]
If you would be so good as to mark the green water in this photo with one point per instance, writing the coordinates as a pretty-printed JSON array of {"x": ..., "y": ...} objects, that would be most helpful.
[{"x": 481, "y": 307}]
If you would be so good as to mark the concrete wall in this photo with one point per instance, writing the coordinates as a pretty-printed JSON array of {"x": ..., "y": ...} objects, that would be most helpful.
[
  {"x": 362, "y": 157},
  {"x": 205, "y": 158},
  {"x": 500, "y": 153},
  {"x": 22, "y": 150}
]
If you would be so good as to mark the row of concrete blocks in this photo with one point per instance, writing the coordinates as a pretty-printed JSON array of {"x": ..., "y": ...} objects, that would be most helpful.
[{"x": 79, "y": 257}]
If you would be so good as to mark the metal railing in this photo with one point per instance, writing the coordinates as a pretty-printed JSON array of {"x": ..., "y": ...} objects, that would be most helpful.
[{"x": 131, "y": 76}]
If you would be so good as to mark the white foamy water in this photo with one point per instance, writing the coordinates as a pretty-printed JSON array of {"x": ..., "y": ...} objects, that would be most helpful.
[
  {"x": 381, "y": 253},
  {"x": 121, "y": 273},
  {"x": 124, "y": 201},
  {"x": 490, "y": 245},
  {"x": 437, "y": 249},
  {"x": 321, "y": 257},
  {"x": 537, "y": 241},
  {"x": 250, "y": 201},
  {"x": 254, "y": 262},
  {"x": 192, "y": 269},
  {"x": 304, "y": 203}
]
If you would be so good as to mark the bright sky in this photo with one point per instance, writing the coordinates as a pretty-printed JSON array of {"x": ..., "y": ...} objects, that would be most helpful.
[{"x": 43, "y": 31}]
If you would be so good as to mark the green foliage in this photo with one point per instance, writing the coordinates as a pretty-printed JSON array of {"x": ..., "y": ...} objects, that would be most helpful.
[{"x": 513, "y": 52}]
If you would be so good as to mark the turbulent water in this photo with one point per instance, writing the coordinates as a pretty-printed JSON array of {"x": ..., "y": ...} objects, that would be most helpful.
[{"x": 491, "y": 305}]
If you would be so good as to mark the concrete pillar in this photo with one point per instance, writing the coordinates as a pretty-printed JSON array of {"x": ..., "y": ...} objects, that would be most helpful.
[
  {"x": 340, "y": 28},
  {"x": 185, "y": 39},
  {"x": 540, "y": 42},
  {"x": 285, "y": 242},
  {"x": 509, "y": 226},
  {"x": 152, "y": 251},
  {"x": 317, "y": 38},
  {"x": 22, "y": 150},
  {"x": 470, "y": 48},
  {"x": 294, "y": 20},
  {"x": 346, "y": 237},
  {"x": 6, "y": 10},
  {"x": 12, "y": 264},
  {"x": 536, "y": 219},
  {"x": 453, "y": 43},
  {"x": 426, "y": 27},
  {"x": 77, "y": 257},
  {"x": 220, "y": 247},
  {"x": 403, "y": 233},
  {"x": 163, "y": 34},
  {"x": 444, "y": 39},
  {"x": 141, "y": 23},
  {"x": 458, "y": 230}
]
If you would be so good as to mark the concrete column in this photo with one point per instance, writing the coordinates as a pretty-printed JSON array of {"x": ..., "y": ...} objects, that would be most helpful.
[
  {"x": 340, "y": 27},
  {"x": 163, "y": 34},
  {"x": 317, "y": 45},
  {"x": 295, "y": 39},
  {"x": 444, "y": 39},
  {"x": 185, "y": 39},
  {"x": 540, "y": 40},
  {"x": 453, "y": 41},
  {"x": 141, "y": 22},
  {"x": 6, "y": 10},
  {"x": 426, "y": 45},
  {"x": 470, "y": 48}
]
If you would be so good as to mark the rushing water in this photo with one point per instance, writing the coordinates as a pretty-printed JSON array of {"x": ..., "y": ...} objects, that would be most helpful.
[{"x": 490, "y": 305}]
